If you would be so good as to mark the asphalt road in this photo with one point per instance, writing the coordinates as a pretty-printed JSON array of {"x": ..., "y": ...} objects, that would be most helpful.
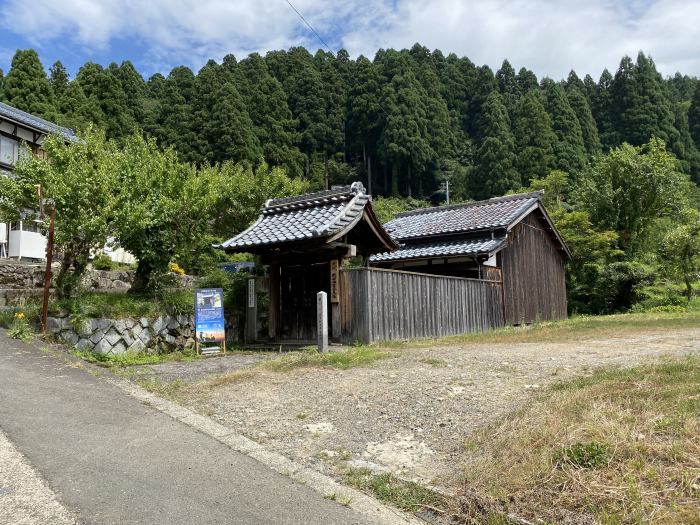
[{"x": 112, "y": 459}]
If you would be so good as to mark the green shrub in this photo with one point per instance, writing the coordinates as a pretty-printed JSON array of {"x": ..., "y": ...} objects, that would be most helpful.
[
  {"x": 589, "y": 455},
  {"x": 102, "y": 261},
  {"x": 618, "y": 286},
  {"x": 19, "y": 328},
  {"x": 668, "y": 308},
  {"x": 179, "y": 303}
]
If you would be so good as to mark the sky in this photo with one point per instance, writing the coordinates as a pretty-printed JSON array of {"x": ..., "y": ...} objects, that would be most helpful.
[{"x": 551, "y": 37}]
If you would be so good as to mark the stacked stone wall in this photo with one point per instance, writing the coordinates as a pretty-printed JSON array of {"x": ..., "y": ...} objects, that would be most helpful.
[{"x": 117, "y": 336}]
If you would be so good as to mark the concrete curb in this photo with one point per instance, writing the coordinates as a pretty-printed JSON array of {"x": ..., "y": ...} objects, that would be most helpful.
[{"x": 325, "y": 485}]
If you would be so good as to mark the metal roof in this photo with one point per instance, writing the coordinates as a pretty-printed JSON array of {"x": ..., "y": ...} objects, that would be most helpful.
[
  {"x": 28, "y": 120},
  {"x": 313, "y": 215},
  {"x": 441, "y": 249},
  {"x": 490, "y": 214}
]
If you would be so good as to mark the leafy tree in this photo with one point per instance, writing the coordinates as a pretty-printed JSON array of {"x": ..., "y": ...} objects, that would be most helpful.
[
  {"x": 534, "y": 138},
  {"x": 230, "y": 130},
  {"x": 79, "y": 179},
  {"x": 640, "y": 105},
  {"x": 494, "y": 172},
  {"x": 694, "y": 117},
  {"x": 272, "y": 119},
  {"x": 680, "y": 250},
  {"x": 26, "y": 86},
  {"x": 569, "y": 149},
  {"x": 404, "y": 137},
  {"x": 58, "y": 78},
  {"x": 365, "y": 112},
  {"x": 582, "y": 109},
  {"x": 165, "y": 208},
  {"x": 103, "y": 89},
  {"x": 508, "y": 86},
  {"x": 630, "y": 188},
  {"x": 172, "y": 120},
  {"x": 600, "y": 99},
  {"x": 76, "y": 110}
]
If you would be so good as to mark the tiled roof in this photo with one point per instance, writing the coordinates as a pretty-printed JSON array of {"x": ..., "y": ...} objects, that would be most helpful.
[
  {"x": 440, "y": 249},
  {"x": 34, "y": 122},
  {"x": 483, "y": 215},
  {"x": 313, "y": 215}
]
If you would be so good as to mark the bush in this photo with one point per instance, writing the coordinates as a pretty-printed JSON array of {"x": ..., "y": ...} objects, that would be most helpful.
[
  {"x": 618, "y": 286},
  {"x": 102, "y": 261}
]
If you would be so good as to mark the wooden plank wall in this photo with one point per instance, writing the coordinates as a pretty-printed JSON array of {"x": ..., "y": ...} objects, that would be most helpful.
[
  {"x": 381, "y": 304},
  {"x": 534, "y": 282}
]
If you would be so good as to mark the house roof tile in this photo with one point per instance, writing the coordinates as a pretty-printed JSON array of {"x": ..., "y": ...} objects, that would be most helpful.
[
  {"x": 441, "y": 249},
  {"x": 37, "y": 123},
  {"x": 313, "y": 215},
  {"x": 490, "y": 214}
]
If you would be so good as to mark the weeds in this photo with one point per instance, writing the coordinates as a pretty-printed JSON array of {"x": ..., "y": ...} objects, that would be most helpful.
[
  {"x": 405, "y": 495},
  {"x": 343, "y": 359},
  {"x": 19, "y": 327},
  {"x": 618, "y": 446},
  {"x": 133, "y": 358}
]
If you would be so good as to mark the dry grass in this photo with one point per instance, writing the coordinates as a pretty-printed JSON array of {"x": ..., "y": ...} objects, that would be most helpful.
[
  {"x": 575, "y": 328},
  {"x": 621, "y": 446}
]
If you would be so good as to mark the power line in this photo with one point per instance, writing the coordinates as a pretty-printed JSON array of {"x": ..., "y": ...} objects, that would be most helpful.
[{"x": 310, "y": 27}]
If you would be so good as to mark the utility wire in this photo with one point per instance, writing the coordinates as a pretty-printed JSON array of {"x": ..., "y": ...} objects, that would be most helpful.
[{"x": 311, "y": 28}]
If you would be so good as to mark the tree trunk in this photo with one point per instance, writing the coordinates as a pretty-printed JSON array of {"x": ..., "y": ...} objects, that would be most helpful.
[
  {"x": 394, "y": 180},
  {"x": 410, "y": 190},
  {"x": 142, "y": 277},
  {"x": 326, "y": 177},
  {"x": 688, "y": 288},
  {"x": 306, "y": 165},
  {"x": 369, "y": 175},
  {"x": 61, "y": 277}
]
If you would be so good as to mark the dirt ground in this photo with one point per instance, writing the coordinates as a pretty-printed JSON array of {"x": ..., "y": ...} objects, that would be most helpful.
[{"x": 410, "y": 413}]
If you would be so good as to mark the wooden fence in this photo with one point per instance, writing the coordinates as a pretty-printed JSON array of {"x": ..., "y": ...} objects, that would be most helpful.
[{"x": 383, "y": 304}]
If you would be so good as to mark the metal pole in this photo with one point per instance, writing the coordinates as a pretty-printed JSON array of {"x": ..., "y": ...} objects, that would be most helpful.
[{"x": 47, "y": 273}]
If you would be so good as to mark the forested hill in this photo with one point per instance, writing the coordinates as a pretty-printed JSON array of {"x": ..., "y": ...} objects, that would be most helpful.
[{"x": 412, "y": 117}]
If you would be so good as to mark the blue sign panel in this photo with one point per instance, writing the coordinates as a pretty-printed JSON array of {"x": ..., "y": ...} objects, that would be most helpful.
[{"x": 209, "y": 315}]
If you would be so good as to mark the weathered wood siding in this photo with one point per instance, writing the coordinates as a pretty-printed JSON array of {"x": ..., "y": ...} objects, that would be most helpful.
[
  {"x": 383, "y": 304},
  {"x": 534, "y": 286}
]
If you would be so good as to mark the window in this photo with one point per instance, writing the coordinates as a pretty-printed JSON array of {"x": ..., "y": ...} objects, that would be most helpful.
[{"x": 9, "y": 150}]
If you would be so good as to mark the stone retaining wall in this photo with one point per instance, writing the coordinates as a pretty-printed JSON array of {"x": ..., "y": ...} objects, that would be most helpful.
[
  {"x": 18, "y": 275},
  {"x": 117, "y": 336}
]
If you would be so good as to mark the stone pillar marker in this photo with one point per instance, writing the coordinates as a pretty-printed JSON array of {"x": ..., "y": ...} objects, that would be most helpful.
[
  {"x": 251, "y": 311},
  {"x": 322, "y": 320}
]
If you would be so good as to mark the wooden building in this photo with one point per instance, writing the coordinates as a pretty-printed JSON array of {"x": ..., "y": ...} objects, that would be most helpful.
[
  {"x": 305, "y": 240},
  {"x": 23, "y": 239},
  {"x": 508, "y": 239},
  {"x": 428, "y": 273}
]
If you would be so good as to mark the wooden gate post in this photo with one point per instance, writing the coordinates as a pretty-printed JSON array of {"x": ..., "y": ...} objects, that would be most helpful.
[
  {"x": 335, "y": 299},
  {"x": 274, "y": 311}
]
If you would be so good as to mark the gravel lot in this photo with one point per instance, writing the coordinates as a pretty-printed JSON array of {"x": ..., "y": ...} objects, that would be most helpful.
[{"x": 411, "y": 413}]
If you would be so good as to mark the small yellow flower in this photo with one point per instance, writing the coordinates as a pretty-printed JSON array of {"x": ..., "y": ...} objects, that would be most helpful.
[{"x": 19, "y": 315}]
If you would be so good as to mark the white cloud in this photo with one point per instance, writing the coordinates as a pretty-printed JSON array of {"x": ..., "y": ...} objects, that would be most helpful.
[{"x": 550, "y": 37}]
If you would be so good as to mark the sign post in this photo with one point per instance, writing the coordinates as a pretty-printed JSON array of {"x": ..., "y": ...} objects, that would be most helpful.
[
  {"x": 210, "y": 326},
  {"x": 322, "y": 320},
  {"x": 251, "y": 319}
]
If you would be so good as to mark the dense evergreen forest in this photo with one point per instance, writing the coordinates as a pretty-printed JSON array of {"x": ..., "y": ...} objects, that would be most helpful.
[{"x": 402, "y": 123}]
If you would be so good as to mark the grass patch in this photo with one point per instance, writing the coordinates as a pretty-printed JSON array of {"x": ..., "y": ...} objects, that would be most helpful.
[
  {"x": 405, "y": 495},
  {"x": 120, "y": 305},
  {"x": 132, "y": 358},
  {"x": 618, "y": 447},
  {"x": 343, "y": 359},
  {"x": 575, "y": 328},
  {"x": 435, "y": 362},
  {"x": 169, "y": 390}
]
